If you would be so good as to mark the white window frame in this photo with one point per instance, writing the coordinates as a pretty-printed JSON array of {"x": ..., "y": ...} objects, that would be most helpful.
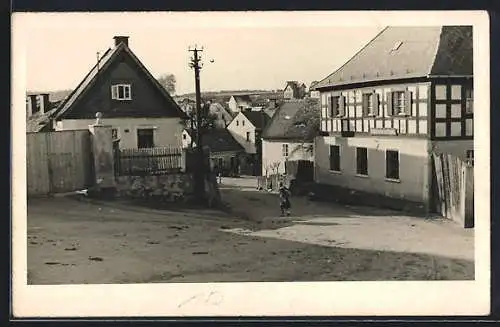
[
  {"x": 285, "y": 150},
  {"x": 127, "y": 92},
  {"x": 398, "y": 107}
]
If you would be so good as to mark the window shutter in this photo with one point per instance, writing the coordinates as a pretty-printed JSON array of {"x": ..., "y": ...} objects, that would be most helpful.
[
  {"x": 390, "y": 108},
  {"x": 407, "y": 103},
  {"x": 342, "y": 105},
  {"x": 365, "y": 104},
  {"x": 113, "y": 92},
  {"x": 330, "y": 107},
  {"x": 376, "y": 104}
]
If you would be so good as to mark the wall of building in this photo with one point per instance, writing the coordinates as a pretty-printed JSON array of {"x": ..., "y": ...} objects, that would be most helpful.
[
  {"x": 414, "y": 165},
  {"x": 168, "y": 131},
  {"x": 239, "y": 128},
  {"x": 457, "y": 148},
  {"x": 414, "y": 124},
  {"x": 288, "y": 93},
  {"x": 272, "y": 153},
  {"x": 147, "y": 100}
]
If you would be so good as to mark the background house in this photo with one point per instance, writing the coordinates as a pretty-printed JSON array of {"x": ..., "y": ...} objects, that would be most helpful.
[
  {"x": 225, "y": 151},
  {"x": 239, "y": 103},
  {"x": 294, "y": 90},
  {"x": 38, "y": 112},
  {"x": 290, "y": 135},
  {"x": 313, "y": 93},
  {"x": 247, "y": 129},
  {"x": 142, "y": 113},
  {"x": 407, "y": 94}
]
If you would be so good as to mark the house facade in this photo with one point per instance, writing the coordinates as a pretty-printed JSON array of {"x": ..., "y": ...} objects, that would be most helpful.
[
  {"x": 294, "y": 90},
  {"x": 407, "y": 94},
  {"x": 290, "y": 135},
  {"x": 238, "y": 103},
  {"x": 225, "y": 151},
  {"x": 246, "y": 128},
  {"x": 130, "y": 99}
]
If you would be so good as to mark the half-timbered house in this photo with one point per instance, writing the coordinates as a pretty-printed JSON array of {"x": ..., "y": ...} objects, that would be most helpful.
[{"x": 405, "y": 94}]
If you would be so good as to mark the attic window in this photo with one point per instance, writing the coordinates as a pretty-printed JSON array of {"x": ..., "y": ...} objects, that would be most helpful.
[
  {"x": 121, "y": 92},
  {"x": 396, "y": 46}
]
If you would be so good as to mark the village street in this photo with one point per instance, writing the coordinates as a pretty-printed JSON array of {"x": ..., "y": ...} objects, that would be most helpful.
[{"x": 78, "y": 240}]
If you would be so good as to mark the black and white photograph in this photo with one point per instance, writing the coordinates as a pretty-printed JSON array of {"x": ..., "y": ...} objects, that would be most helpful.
[{"x": 251, "y": 163}]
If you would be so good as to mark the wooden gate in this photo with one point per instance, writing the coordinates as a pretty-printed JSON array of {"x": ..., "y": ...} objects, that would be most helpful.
[
  {"x": 453, "y": 181},
  {"x": 58, "y": 162}
]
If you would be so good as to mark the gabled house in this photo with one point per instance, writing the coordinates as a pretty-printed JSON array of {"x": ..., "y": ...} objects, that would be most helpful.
[
  {"x": 294, "y": 90},
  {"x": 238, "y": 103},
  {"x": 225, "y": 151},
  {"x": 404, "y": 95},
  {"x": 247, "y": 129},
  {"x": 290, "y": 134},
  {"x": 141, "y": 111}
]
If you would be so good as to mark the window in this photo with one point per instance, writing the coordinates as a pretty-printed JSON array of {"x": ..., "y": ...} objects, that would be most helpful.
[
  {"x": 392, "y": 164},
  {"x": 114, "y": 133},
  {"x": 37, "y": 106},
  {"x": 336, "y": 105},
  {"x": 398, "y": 102},
  {"x": 396, "y": 46},
  {"x": 248, "y": 136},
  {"x": 284, "y": 150},
  {"x": 469, "y": 98},
  {"x": 145, "y": 138},
  {"x": 335, "y": 157},
  {"x": 370, "y": 104},
  {"x": 469, "y": 156},
  {"x": 242, "y": 123},
  {"x": 362, "y": 161},
  {"x": 184, "y": 136},
  {"x": 237, "y": 123},
  {"x": 121, "y": 92}
]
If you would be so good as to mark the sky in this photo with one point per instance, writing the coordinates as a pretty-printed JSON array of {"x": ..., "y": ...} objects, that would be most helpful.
[{"x": 61, "y": 49}]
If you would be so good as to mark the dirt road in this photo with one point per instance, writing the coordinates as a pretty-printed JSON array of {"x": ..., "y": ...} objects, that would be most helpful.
[{"x": 72, "y": 241}]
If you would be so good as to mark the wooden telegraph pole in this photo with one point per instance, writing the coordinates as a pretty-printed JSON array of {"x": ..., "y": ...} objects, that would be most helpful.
[{"x": 199, "y": 173}]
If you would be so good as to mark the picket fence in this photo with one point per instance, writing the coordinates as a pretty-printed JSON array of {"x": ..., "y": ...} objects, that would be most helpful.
[
  {"x": 454, "y": 180},
  {"x": 149, "y": 161}
]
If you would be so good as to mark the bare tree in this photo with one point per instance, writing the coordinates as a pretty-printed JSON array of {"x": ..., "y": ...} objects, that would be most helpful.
[{"x": 168, "y": 81}]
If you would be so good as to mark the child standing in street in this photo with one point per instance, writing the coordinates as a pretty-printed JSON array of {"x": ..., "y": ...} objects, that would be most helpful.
[{"x": 285, "y": 204}]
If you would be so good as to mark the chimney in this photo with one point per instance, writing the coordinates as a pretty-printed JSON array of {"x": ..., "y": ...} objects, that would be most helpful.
[
  {"x": 44, "y": 102},
  {"x": 35, "y": 107},
  {"x": 120, "y": 39}
]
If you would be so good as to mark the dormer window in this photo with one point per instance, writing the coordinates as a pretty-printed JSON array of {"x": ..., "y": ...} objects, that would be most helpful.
[
  {"x": 121, "y": 92},
  {"x": 396, "y": 46}
]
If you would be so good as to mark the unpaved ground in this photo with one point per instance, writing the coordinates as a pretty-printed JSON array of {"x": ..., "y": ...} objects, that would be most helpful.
[
  {"x": 72, "y": 241},
  {"x": 336, "y": 225}
]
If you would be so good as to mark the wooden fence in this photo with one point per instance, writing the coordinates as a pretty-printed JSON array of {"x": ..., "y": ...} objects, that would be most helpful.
[
  {"x": 151, "y": 161},
  {"x": 454, "y": 181},
  {"x": 58, "y": 162}
]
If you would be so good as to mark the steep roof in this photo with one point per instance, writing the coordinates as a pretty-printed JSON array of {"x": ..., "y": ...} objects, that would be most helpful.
[
  {"x": 218, "y": 140},
  {"x": 259, "y": 118},
  {"x": 38, "y": 121},
  {"x": 100, "y": 68},
  {"x": 408, "y": 52},
  {"x": 242, "y": 98},
  {"x": 295, "y": 120}
]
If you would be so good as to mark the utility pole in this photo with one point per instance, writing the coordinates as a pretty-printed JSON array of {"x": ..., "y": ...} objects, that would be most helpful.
[{"x": 199, "y": 177}]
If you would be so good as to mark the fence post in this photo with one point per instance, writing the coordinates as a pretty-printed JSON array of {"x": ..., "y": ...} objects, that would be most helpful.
[
  {"x": 102, "y": 149},
  {"x": 467, "y": 196}
]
